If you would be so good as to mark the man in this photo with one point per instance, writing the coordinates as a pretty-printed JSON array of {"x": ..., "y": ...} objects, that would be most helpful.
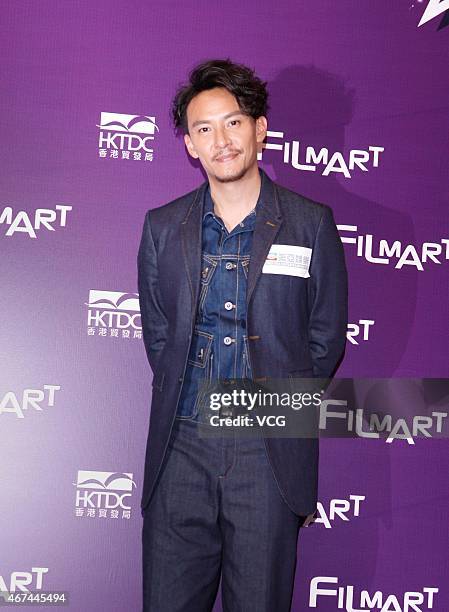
[{"x": 215, "y": 304}]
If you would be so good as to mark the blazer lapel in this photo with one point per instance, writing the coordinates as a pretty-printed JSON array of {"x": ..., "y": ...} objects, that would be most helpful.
[
  {"x": 191, "y": 242},
  {"x": 268, "y": 223}
]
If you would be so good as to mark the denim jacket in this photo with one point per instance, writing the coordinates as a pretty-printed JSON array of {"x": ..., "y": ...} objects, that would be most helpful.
[{"x": 219, "y": 348}]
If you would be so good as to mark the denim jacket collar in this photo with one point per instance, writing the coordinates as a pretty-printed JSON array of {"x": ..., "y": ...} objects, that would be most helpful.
[{"x": 208, "y": 204}]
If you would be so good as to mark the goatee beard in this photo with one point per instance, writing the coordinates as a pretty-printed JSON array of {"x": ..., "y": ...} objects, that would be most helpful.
[{"x": 232, "y": 177}]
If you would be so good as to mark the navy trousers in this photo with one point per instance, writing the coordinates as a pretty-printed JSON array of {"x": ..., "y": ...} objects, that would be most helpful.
[{"x": 217, "y": 512}]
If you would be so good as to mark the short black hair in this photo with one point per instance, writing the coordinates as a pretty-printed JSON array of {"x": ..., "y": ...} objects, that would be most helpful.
[{"x": 241, "y": 81}]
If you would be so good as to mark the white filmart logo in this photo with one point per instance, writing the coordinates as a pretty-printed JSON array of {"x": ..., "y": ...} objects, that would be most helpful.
[
  {"x": 433, "y": 9},
  {"x": 359, "y": 330},
  {"x": 309, "y": 159},
  {"x": 29, "y": 399},
  {"x": 410, "y": 601},
  {"x": 398, "y": 428},
  {"x": 380, "y": 251},
  {"x": 21, "y": 581},
  {"x": 338, "y": 509},
  {"x": 30, "y": 224}
]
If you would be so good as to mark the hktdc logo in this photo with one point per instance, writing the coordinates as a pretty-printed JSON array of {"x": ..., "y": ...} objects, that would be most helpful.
[
  {"x": 113, "y": 314},
  {"x": 103, "y": 494},
  {"x": 126, "y": 136}
]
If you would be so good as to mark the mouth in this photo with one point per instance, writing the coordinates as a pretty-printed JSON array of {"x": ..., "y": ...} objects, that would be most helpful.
[{"x": 226, "y": 158}]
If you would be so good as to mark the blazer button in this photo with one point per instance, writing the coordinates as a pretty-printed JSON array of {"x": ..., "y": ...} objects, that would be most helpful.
[{"x": 180, "y": 379}]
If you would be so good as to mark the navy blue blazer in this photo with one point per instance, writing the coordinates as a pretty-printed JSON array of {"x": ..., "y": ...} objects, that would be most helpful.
[{"x": 296, "y": 325}]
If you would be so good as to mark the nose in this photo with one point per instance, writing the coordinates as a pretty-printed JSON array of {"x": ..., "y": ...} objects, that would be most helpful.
[{"x": 222, "y": 139}]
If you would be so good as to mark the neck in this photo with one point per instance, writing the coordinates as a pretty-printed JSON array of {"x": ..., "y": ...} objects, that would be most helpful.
[{"x": 234, "y": 200}]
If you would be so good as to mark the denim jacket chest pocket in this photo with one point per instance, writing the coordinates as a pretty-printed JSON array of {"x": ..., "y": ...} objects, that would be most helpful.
[
  {"x": 200, "y": 352},
  {"x": 208, "y": 267},
  {"x": 245, "y": 266}
]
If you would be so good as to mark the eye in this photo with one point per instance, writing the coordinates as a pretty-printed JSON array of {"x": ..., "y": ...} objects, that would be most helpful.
[
  {"x": 202, "y": 128},
  {"x": 235, "y": 121}
]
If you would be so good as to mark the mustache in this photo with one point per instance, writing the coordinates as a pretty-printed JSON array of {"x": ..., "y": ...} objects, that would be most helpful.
[{"x": 226, "y": 153}]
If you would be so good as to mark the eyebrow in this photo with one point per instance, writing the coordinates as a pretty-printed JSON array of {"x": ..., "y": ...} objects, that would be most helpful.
[{"x": 195, "y": 123}]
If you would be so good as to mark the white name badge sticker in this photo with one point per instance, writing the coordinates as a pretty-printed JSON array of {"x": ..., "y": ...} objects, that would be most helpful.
[{"x": 288, "y": 259}]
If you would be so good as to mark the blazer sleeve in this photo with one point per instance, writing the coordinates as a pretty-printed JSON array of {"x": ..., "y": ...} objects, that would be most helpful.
[
  {"x": 154, "y": 321},
  {"x": 328, "y": 298}
]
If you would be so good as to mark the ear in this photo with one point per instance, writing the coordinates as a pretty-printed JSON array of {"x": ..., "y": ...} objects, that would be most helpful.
[
  {"x": 261, "y": 128},
  {"x": 261, "y": 133},
  {"x": 190, "y": 147}
]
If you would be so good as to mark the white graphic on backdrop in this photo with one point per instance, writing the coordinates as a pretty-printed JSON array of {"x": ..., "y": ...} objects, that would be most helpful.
[
  {"x": 410, "y": 601},
  {"x": 29, "y": 399},
  {"x": 103, "y": 494},
  {"x": 323, "y": 160},
  {"x": 113, "y": 314},
  {"x": 359, "y": 330},
  {"x": 22, "y": 582},
  {"x": 406, "y": 254},
  {"x": 433, "y": 9},
  {"x": 397, "y": 428},
  {"x": 341, "y": 509},
  {"x": 30, "y": 223},
  {"x": 126, "y": 136}
]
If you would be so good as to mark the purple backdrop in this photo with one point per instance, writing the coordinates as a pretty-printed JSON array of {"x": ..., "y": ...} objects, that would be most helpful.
[{"x": 359, "y": 120}]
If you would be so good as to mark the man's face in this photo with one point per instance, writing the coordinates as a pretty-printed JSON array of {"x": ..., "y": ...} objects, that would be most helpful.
[{"x": 221, "y": 136}]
